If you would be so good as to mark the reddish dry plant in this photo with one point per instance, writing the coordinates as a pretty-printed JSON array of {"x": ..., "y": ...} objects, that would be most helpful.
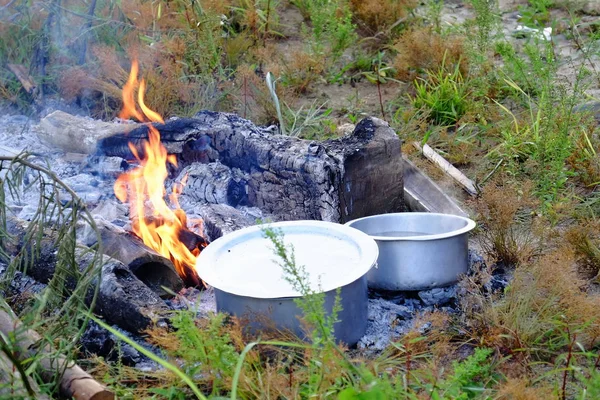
[
  {"x": 423, "y": 49},
  {"x": 548, "y": 296},
  {"x": 584, "y": 238},
  {"x": 301, "y": 70},
  {"x": 521, "y": 389},
  {"x": 377, "y": 15},
  {"x": 508, "y": 222},
  {"x": 251, "y": 98},
  {"x": 584, "y": 159}
]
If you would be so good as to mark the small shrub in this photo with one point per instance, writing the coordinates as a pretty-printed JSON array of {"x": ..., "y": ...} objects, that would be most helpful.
[
  {"x": 521, "y": 389},
  {"x": 469, "y": 378},
  {"x": 442, "y": 96},
  {"x": 302, "y": 70},
  {"x": 422, "y": 49},
  {"x": 584, "y": 160},
  {"x": 544, "y": 306},
  {"x": 482, "y": 28},
  {"x": 377, "y": 15},
  {"x": 504, "y": 212},
  {"x": 259, "y": 18},
  {"x": 332, "y": 28},
  {"x": 584, "y": 240}
]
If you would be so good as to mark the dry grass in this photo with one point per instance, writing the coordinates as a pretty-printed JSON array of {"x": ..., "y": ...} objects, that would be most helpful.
[
  {"x": 508, "y": 222},
  {"x": 583, "y": 237},
  {"x": 521, "y": 389},
  {"x": 423, "y": 49},
  {"x": 301, "y": 70},
  {"x": 377, "y": 15},
  {"x": 545, "y": 301}
]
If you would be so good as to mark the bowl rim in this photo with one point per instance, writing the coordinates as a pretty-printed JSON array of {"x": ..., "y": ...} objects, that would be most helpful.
[
  {"x": 206, "y": 262},
  {"x": 469, "y": 226}
]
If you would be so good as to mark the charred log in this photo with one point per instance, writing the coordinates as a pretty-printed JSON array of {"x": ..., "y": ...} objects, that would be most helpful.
[
  {"x": 372, "y": 182},
  {"x": 39, "y": 256},
  {"x": 156, "y": 271},
  {"x": 220, "y": 219},
  {"x": 126, "y": 301},
  {"x": 286, "y": 177},
  {"x": 123, "y": 299}
]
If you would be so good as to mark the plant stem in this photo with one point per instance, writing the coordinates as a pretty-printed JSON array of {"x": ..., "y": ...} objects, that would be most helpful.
[
  {"x": 380, "y": 100},
  {"x": 266, "y": 32},
  {"x": 245, "y": 95},
  {"x": 568, "y": 362}
]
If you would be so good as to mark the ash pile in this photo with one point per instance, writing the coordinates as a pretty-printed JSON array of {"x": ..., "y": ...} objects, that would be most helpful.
[{"x": 237, "y": 173}]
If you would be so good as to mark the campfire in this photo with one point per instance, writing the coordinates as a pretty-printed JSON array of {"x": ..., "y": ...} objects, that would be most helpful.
[{"x": 163, "y": 227}]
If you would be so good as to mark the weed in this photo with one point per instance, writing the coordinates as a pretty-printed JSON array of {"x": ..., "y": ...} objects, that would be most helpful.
[
  {"x": 310, "y": 123},
  {"x": 583, "y": 238},
  {"x": 379, "y": 74},
  {"x": 302, "y": 70},
  {"x": 332, "y": 29},
  {"x": 271, "y": 85},
  {"x": 442, "y": 96},
  {"x": 434, "y": 14},
  {"x": 541, "y": 143},
  {"x": 485, "y": 24},
  {"x": 378, "y": 15},
  {"x": 421, "y": 49},
  {"x": 251, "y": 97},
  {"x": 536, "y": 13},
  {"x": 259, "y": 18},
  {"x": 312, "y": 302},
  {"x": 504, "y": 213},
  {"x": 521, "y": 389}
]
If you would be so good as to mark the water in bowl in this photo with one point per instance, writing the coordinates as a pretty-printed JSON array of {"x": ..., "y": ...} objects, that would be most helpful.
[{"x": 399, "y": 234}]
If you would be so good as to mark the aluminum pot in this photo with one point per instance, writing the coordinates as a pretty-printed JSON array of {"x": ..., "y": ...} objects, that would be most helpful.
[
  {"x": 250, "y": 283},
  {"x": 417, "y": 251}
]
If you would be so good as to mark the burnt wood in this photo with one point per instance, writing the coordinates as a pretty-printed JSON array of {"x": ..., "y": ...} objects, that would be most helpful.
[
  {"x": 146, "y": 264},
  {"x": 123, "y": 299},
  {"x": 287, "y": 178}
]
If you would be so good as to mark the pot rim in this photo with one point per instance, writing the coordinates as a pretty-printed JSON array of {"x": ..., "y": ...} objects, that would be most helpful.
[
  {"x": 469, "y": 226},
  {"x": 210, "y": 268}
]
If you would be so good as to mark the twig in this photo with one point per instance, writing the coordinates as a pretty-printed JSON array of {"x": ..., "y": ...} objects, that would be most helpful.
[
  {"x": 51, "y": 174},
  {"x": 488, "y": 176},
  {"x": 380, "y": 100},
  {"x": 568, "y": 362},
  {"x": 267, "y": 23},
  {"x": 23, "y": 77},
  {"x": 87, "y": 27},
  {"x": 10, "y": 3}
]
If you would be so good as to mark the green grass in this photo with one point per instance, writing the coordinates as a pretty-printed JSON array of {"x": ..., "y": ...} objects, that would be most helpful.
[{"x": 442, "y": 96}]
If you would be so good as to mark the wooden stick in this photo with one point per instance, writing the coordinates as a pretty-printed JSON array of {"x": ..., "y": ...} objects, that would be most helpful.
[
  {"x": 74, "y": 382},
  {"x": 23, "y": 77},
  {"x": 14, "y": 384},
  {"x": 448, "y": 168}
]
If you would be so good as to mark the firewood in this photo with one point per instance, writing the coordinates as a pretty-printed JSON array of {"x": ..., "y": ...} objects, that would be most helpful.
[
  {"x": 13, "y": 384},
  {"x": 23, "y": 76},
  {"x": 287, "y": 178},
  {"x": 74, "y": 381},
  {"x": 448, "y": 168},
  {"x": 123, "y": 298},
  {"x": 76, "y": 134},
  {"x": 154, "y": 270},
  {"x": 150, "y": 267}
]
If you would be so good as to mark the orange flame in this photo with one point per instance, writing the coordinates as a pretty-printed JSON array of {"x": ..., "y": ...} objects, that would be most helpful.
[{"x": 143, "y": 187}]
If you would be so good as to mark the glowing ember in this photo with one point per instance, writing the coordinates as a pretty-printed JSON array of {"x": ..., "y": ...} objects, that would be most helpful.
[{"x": 160, "y": 227}]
